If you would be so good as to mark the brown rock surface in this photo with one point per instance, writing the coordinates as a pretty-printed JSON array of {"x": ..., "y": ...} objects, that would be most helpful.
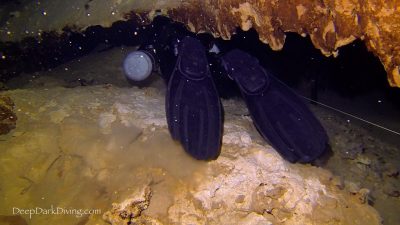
[{"x": 330, "y": 23}]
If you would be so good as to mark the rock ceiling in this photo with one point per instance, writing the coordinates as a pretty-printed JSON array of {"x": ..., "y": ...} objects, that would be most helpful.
[{"x": 330, "y": 23}]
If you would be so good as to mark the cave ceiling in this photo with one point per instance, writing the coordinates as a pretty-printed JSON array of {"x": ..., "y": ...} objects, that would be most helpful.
[{"x": 329, "y": 23}]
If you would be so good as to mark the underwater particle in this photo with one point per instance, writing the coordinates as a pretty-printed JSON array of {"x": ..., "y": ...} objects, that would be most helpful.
[{"x": 7, "y": 117}]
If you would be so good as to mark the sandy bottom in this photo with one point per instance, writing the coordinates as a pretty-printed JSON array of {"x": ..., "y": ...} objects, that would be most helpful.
[
  {"x": 85, "y": 137},
  {"x": 56, "y": 159}
]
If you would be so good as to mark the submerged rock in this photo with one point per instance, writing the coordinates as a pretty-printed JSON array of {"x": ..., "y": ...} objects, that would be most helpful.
[
  {"x": 114, "y": 142},
  {"x": 257, "y": 181},
  {"x": 8, "y": 118},
  {"x": 130, "y": 210}
]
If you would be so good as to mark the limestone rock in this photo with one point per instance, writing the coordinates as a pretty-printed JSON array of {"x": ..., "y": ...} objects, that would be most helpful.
[
  {"x": 258, "y": 185},
  {"x": 248, "y": 184},
  {"x": 130, "y": 210},
  {"x": 330, "y": 23}
]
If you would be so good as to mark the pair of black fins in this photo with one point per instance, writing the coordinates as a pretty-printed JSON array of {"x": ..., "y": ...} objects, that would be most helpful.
[{"x": 194, "y": 112}]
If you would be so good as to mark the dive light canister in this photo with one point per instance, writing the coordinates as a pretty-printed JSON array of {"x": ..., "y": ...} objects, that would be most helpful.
[{"x": 138, "y": 65}]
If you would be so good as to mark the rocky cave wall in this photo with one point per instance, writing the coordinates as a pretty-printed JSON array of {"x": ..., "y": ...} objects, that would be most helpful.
[{"x": 330, "y": 23}]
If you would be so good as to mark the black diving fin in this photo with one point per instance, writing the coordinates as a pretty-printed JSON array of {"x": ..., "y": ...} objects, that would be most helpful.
[
  {"x": 278, "y": 112},
  {"x": 193, "y": 107}
]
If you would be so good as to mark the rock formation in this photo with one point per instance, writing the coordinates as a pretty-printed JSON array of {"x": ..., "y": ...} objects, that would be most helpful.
[{"x": 330, "y": 23}]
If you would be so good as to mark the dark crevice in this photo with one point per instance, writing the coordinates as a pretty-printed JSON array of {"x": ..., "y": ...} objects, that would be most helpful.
[
  {"x": 354, "y": 72},
  {"x": 52, "y": 49}
]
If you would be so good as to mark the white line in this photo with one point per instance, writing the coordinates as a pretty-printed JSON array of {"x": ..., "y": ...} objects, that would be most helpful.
[{"x": 356, "y": 117}]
